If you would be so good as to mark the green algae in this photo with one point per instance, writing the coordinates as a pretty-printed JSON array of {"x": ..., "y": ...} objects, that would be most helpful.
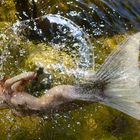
[
  {"x": 92, "y": 122},
  {"x": 7, "y": 11}
]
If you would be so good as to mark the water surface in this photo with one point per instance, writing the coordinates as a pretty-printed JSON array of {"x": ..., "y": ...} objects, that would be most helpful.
[{"x": 100, "y": 26}]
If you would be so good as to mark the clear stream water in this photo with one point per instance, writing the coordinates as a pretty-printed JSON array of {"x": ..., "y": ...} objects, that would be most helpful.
[{"x": 69, "y": 39}]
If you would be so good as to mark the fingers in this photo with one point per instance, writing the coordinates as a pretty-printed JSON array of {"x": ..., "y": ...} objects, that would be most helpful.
[
  {"x": 19, "y": 86},
  {"x": 24, "y": 76}
]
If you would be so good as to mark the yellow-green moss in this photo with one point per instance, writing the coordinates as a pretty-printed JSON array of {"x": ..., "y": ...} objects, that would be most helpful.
[
  {"x": 91, "y": 122},
  {"x": 7, "y": 11}
]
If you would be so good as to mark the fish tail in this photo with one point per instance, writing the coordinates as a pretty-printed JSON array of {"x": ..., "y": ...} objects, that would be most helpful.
[{"x": 121, "y": 76}]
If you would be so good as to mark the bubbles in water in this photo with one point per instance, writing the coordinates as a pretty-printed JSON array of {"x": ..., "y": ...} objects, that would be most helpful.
[
  {"x": 94, "y": 18},
  {"x": 68, "y": 37}
]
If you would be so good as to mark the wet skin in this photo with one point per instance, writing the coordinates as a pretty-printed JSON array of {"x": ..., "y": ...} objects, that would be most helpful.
[{"x": 57, "y": 99}]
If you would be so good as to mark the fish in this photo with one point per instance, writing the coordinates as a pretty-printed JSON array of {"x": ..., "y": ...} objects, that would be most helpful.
[{"x": 115, "y": 84}]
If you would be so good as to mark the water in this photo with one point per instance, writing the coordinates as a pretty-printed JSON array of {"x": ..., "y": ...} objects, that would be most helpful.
[
  {"x": 66, "y": 55},
  {"x": 104, "y": 17},
  {"x": 66, "y": 35}
]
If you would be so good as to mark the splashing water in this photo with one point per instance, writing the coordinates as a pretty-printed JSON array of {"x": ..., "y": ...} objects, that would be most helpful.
[
  {"x": 101, "y": 19},
  {"x": 74, "y": 35}
]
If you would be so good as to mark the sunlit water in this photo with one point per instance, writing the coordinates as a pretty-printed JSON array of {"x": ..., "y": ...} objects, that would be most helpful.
[
  {"x": 67, "y": 37},
  {"x": 79, "y": 29}
]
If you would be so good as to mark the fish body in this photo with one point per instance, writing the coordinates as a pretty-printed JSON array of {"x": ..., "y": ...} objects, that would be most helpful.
[{"x": 115, "y": 84}]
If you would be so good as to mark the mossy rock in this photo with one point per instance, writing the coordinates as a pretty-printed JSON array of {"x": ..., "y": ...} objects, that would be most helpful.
[{"x": 7, "y": 11}]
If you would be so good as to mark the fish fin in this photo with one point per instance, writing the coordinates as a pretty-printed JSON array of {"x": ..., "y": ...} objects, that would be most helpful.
[
  {"x": 129, "y": 107},
  {"x": 120, "y": 73}
]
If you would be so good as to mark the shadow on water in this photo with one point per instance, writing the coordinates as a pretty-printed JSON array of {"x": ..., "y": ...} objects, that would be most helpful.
[
  {"x": 104, "y": 17},
  {"x": 82, "y": 19}
]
